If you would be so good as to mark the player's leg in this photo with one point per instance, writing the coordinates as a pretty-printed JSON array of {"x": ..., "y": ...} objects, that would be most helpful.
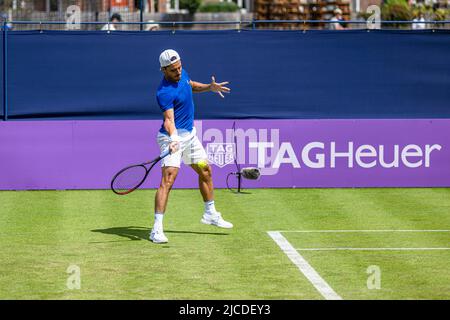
[
  {"x": 195, "y": 156},
  {"x": 205, "y": 181},
  {"x": 169, "y": 175},
  {"x": 170, "y": 166}
]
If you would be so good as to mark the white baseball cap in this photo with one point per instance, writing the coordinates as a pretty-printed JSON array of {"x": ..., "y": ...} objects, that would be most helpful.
[{"x": 168, "y": 57}]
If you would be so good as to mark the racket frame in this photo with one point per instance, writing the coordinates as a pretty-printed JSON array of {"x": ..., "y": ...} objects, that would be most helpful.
[{"x": 152, "y": 162}]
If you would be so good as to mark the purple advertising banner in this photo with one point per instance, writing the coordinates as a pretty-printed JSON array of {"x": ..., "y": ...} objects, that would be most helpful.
[{"x": 289, "y": 153}]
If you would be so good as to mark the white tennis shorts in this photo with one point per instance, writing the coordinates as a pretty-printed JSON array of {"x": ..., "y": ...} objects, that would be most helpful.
[{"x": 190, "y": 150}]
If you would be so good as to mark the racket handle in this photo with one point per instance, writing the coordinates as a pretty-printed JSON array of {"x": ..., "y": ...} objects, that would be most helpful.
[{"x": 165, "y": 153}]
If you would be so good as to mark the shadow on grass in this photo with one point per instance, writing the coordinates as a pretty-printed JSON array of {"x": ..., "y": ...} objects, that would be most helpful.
[{"x": 142, "y": 233}]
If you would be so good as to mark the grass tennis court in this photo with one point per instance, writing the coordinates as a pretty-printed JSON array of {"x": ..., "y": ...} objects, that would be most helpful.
[{"x": 43, "y": 233}]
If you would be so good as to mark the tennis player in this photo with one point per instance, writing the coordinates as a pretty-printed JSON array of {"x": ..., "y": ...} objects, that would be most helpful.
[{"x": 178, "y": 133}]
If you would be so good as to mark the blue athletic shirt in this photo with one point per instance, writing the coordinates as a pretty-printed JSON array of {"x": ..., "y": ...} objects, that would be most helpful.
[{"x": 177, "y": 95}]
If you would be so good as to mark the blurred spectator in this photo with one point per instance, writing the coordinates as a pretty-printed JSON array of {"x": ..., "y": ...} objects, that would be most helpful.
[
  {"x": 3, "y": 18},
  {"x": 112, "y": 26},
  {"x": 151, "y": 26},
  {"x": 8, "y": 26},
  {"x": 420, "y": 18},
  {"x": 337, "y": 17}
]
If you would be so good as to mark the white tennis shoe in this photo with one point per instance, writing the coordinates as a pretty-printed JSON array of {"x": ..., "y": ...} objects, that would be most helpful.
[
  {"x": 157, "y": 236},
  {"x": 216, "y": 219}
]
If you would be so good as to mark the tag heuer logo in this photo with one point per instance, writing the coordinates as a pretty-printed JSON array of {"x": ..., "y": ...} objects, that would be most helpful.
[{"x": 220, "y": 154}]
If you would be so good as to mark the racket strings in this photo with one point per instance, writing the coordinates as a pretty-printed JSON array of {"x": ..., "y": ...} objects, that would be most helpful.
[{"x": 130, "y": 178}]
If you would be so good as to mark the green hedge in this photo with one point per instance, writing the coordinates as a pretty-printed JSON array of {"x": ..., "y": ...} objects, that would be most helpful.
[
  {"x": 398, "y": 10},
  {"x": 191, "y": 5},
  {"x": 219, "y": 7}
]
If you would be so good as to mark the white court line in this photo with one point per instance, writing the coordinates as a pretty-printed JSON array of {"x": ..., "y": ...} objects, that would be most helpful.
[
  {"x": 338, "y": 231},
  {"x": 317, "y": 281},
  {"x": 369, "y": 249}
]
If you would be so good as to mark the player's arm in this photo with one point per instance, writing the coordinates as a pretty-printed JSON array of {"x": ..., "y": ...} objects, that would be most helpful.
[
  {"x": 198, "y": 87},
  {"x": 169, "y": 125}
]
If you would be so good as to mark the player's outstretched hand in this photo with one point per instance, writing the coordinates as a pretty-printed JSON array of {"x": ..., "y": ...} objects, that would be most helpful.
[{"x": 219, "y": 87}]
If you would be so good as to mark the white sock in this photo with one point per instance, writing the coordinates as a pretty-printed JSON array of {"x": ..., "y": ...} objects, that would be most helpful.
[
  {"x": 159, "y": 220},
  {"x": 209, "y": 207}
]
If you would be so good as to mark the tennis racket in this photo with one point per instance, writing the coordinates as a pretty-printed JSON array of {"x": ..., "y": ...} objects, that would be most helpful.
[{"x": 132, "y": 177}]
